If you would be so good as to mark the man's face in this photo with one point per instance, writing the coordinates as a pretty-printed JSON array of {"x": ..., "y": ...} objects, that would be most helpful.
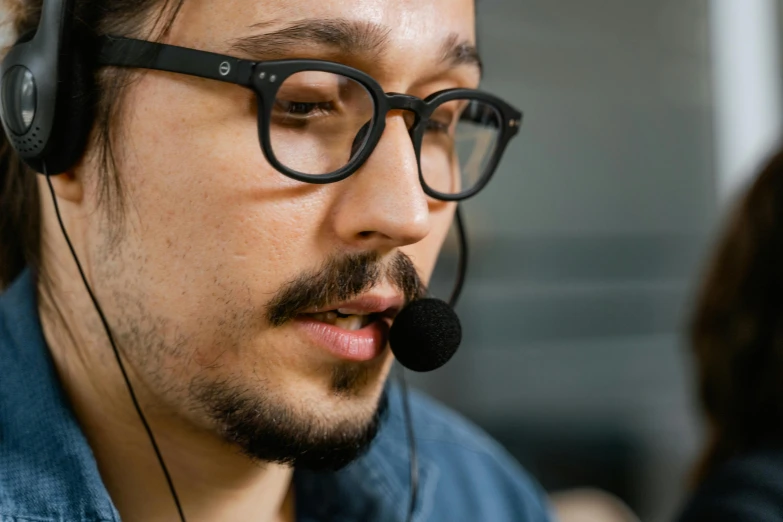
[{"x": 222, "y": 286}]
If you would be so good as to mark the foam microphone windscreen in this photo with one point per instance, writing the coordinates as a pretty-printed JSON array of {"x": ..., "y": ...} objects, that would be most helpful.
[{"x": 425, "y": 335}]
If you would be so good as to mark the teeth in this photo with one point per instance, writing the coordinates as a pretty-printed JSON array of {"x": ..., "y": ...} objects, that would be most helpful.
[
  {"x": 326, "y": 317},
  {"x": 348, "y": 311},
  {"x": 352, "y": 322}
]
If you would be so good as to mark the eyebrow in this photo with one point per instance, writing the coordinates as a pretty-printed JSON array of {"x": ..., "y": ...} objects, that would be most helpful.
[
  {"x": 349, "y": 37},
  {"x": 456, "y": 51}
]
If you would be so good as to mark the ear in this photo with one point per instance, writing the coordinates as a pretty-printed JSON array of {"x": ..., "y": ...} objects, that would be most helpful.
[{"x": 68, "y": 186}]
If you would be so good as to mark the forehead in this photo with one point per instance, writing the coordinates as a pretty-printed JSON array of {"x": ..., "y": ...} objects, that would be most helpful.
[{"x": 412, "y": 29}]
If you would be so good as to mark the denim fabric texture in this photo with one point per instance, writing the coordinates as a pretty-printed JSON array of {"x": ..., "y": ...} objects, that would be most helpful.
[{"x": 48, "y": 472}]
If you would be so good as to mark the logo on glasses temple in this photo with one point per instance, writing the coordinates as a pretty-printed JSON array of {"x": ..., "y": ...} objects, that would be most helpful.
[{"x": 225, "y": 68}]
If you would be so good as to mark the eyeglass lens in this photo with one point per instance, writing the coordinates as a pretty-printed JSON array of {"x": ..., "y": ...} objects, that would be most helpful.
[
  {"x": 459, "y": 142},
  {"x": 321, "y": 120}
]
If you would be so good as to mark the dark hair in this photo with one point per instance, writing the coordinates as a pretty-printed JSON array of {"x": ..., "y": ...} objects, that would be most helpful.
[
  {"x": 20, "y": 223},
  {"x": 737, "y": 328}
]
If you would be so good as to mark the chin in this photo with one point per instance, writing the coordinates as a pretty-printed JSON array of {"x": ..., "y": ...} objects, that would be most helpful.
[
  {"x": 345, "y": 385},
  {"x": 323, "y": 424}
]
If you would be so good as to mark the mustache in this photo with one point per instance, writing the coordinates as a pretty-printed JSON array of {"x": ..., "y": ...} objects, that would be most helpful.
[{"x": 342, "y": 278}]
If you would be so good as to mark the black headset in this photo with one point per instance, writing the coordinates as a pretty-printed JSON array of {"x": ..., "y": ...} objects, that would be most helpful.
[{"x": 47, "y": 91}]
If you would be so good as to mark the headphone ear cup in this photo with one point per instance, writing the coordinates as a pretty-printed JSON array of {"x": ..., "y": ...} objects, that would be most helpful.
[
  {"x": 75, "y": 109},
  {"x": 25, "y": 37}
]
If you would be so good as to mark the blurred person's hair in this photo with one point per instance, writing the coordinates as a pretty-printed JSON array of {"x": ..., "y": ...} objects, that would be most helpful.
[
  {"x": 736, "y": 332},
  {"x": 20, "y": 220}
]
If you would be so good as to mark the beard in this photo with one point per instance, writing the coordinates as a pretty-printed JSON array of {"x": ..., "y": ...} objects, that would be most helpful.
[
  {"x": 272, "y": 431},
  {"x": 252, "y": 415}
]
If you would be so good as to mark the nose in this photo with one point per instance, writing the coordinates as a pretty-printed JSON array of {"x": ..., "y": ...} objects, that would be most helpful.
[{"x": 383, "y": 205}]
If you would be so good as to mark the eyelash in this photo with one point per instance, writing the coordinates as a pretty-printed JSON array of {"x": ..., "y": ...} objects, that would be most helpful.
[
  {"x": 320, "y": 107},
  {"x": 437, "y": 126}
]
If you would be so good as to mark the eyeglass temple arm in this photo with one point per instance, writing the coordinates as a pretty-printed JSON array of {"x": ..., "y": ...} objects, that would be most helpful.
[{"x": 128, "y": 52}]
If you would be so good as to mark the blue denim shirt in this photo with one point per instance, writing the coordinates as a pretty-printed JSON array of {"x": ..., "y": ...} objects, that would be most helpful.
[{"x": 48, "y": 472}]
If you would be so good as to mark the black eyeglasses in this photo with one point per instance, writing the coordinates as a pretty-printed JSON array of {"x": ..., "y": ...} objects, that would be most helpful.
[{"x": 319, "y": 121}]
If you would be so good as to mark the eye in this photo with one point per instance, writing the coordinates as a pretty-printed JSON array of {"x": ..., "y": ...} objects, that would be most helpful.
[
  {"x": 296, "y": 113},
  {"x": 443, "y": 120},
  {"x": 437, "y": 126},
  {"x": 300, "y": 108}
]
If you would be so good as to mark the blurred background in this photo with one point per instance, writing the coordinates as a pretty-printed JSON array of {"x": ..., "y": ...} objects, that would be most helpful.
[{"x": 642, "y": 120}]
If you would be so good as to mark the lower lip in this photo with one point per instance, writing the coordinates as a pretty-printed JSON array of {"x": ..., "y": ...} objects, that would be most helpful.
[{"x": 351, "y": 345}]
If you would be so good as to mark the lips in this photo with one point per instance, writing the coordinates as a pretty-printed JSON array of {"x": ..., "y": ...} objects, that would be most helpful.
[
  {"x": 387, "y": 306},
  {"x": 357, "y": 330}
]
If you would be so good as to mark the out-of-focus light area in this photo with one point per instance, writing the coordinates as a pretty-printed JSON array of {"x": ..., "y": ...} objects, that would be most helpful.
[
  {"x": 747, "y": 86},
  {"x": 642, "y": 120}
]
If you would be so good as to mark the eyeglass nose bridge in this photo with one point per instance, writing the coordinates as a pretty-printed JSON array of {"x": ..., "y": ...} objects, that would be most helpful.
[
  {"x": 404, "y": 102},
  {"x": 396, "y": 101}
]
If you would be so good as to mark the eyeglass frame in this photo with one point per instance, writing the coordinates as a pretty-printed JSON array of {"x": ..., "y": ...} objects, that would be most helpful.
[{"x": 266, "y": 77}]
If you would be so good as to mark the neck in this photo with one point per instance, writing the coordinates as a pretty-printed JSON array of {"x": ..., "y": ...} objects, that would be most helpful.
[{"x": 212, "y": 479}]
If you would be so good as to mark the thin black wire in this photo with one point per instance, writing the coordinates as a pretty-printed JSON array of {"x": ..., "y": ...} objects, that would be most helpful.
[
  {"x": 413, "y": 455},
  {"x": 114, "y": 348},
  {"x": 462, "y": 259},
  {"x": 462, "y": 270}
]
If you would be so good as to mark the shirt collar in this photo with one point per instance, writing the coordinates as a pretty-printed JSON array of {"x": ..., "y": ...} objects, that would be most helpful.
[
  {"x": 48, "y": 469},
  {"x": 374, "y": 487}
]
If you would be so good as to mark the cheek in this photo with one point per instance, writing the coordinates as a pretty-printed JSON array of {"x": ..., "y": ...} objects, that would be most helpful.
[
  {"x": 210, "y": 217},
  {"x": 425, "y": 253}
]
